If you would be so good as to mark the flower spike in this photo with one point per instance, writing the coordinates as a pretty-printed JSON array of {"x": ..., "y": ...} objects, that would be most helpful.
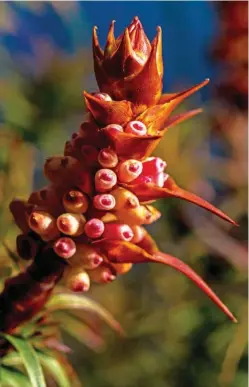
[{"x": 88, "y": 222}]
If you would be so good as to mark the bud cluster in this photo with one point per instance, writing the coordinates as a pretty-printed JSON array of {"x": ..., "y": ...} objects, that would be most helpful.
[{"x": 100, "y": 193}]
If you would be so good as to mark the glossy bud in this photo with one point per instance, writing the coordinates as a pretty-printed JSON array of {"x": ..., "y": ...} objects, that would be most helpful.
[
  {"x": 129, "y": 170},
  {"x": 105, "y": 179},
  {"x": 136, "y": 127},
  {"x": 121, "y": 232},
  {"x": 94, "y": 228},
  {"x": 85, "y": 257},
  {"x": 105, "y": 202},
  {"x": 75, "y": 202},
  {"x": 64, "y": 247},
  {"x": 77, "y": 280},
  {"x": 117, "y": 127},
  {"x": 124, "y": 199},
  {"x": 43, "y": 224},
  {"x": 102, "y": 274},
  {"x": 71, "y": 224},
  {"x": 107, "y": 158}
]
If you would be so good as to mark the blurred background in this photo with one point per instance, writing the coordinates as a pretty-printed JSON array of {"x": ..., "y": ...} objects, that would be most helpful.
[{"x": 175, "y": 336}]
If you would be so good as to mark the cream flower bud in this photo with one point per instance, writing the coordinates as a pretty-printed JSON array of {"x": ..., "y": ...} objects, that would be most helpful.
[
  {"x": 75, "y": 201},
  {"x": 129, "y": 170},
  {"x": 105, "y": 179},
  {"x": 71, "y": 224}
]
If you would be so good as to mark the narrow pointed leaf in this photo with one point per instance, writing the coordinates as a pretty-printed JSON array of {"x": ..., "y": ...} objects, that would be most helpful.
[
  {"x": 138, "y": 255},
  {"x": 178, "y": 192},
  {"x": 178, "y": 118},
  {"x": 30, "y": 360},
  {"x": 75, "y": 301},
  {"x": 77, "y": 328},
  {"x": 148, "y": 243},
  {"x": 182, "y": 94},
  {"x": 55, "y": 368},
  {"x": 149, "y": 191},
  {"x": 124, "y": 252},
  {"x": 12, "y": 377},
  {"x": 163, "y": 111},
  {"x": 179, "y": 265}
]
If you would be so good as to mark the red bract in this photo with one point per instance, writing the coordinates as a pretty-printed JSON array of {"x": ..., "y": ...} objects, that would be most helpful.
[{"x": 100, "y": 193}]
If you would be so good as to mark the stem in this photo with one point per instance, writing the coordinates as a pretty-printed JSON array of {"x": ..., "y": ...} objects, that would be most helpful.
[{"x": 25, "y": 294}]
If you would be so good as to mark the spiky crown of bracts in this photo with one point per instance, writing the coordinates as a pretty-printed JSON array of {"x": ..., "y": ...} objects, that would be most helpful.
[{"x": 92, "y": 213}]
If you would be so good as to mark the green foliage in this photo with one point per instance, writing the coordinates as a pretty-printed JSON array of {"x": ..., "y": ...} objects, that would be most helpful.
[
  {"x": 12, "y": 377},
  {"x": 68, "y": 301},
  {"x": 29, "y": 358}
]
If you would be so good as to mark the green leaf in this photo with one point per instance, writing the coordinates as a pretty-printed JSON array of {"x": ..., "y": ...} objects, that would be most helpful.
[
  {"x": 81, "y": 332},
  {"x": 30, "y": 360},
  {"x": 12, "y": 377},
  {"x": 55, "y": 368},
  {"x": 75, "y": 301}
]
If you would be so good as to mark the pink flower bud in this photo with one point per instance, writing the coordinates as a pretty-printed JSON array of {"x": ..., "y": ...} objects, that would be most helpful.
[
  {"x": 107, "y": 158},
  {"x": 136, "y": 127},
  {"x": 64, "y": 247},
  {"x": 153, "y": 165},
  {"x": 75, "y": 201},
  {"x": 94, "y": 228},
  {"x": 71, "y": 224},
  {"x": 152, "y": 172},
  {"x": 104, "y": 202},
  {"x": 105, "y": 179},
  {"x": 77, "y": 280},
  {"x": 118, "y": 231},
  {"x": 114, "y": 127},
  {"x": 129, "y": 170},
  {"x": 157, "y": 179},
  {"x": 102, "y": 96}
]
